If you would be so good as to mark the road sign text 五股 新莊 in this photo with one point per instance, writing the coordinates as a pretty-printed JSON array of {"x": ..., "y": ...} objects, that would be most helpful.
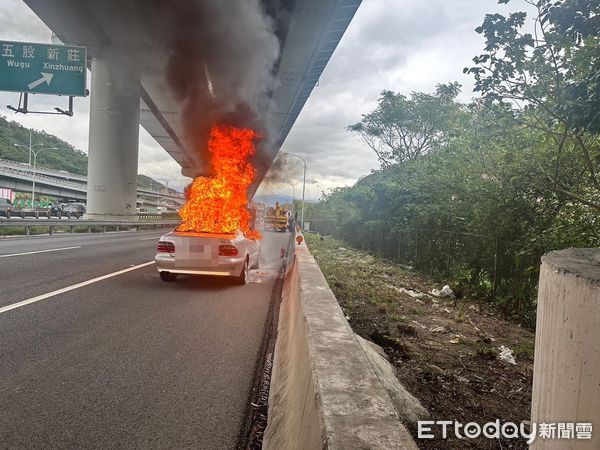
[{"x": 43, "y": 68}]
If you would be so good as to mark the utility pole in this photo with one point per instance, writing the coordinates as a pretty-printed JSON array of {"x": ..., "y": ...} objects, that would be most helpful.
[
  {"x": 303, "y": 187},
  {"x": 293, "y": 192},
  {"x": 35, "y": 153},
  {"x": 30, "y": 147}
]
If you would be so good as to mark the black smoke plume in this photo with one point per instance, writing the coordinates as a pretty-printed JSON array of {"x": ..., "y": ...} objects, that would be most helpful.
[{"x": 221, "y": 55}]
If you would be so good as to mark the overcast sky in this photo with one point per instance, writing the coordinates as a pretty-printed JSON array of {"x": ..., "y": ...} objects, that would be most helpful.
[{"x": 401, "y": 45}]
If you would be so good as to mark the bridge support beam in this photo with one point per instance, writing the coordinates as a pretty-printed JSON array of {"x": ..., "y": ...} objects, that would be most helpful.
[{"x": 113, "y": 138}]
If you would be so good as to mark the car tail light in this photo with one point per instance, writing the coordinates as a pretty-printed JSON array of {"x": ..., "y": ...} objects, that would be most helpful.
[
  {"x": 166, "y": 247},
  {"x": 227, "y": 250}
]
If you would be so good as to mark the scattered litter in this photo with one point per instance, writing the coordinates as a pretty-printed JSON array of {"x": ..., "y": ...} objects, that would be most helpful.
[
  {"x": 409, "y": 292},
  {"x": 254, "y": 404},
  {"x": 437, "y": 329},
  {"x": 419, "y": 301},
  {"x": 456, "y": 340},
  {"x": 461, "y": 379},
  {"x": 417, "y": 323},
  {"x": 506, "y": 355},
  {"x": 342, "y": 249},
  {"x": 447, "y": 292}
]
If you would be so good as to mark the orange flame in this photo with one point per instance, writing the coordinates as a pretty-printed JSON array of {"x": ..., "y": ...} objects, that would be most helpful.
[{"x": 218, "y": 204}]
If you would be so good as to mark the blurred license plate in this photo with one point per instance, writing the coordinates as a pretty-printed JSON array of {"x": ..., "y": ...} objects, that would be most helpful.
[{"x": 201, "y": 251}]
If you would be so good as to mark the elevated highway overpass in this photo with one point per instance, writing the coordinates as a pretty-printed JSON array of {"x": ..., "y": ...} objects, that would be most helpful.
[
  {"x": 116, "y": 32},
  {"x": 70, "y": 186}
]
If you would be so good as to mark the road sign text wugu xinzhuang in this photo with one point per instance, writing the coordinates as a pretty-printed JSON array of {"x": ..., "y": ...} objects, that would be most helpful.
[{"x": 43, "y": 68}]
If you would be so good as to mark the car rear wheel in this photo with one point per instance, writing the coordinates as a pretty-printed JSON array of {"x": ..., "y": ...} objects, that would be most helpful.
[
  {"x": 243, "y": 277},
  {"x": 168, "y": 276}
]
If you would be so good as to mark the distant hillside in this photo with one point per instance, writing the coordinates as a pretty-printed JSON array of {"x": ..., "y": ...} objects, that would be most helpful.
[
  {"x": 270, "y": 199},
  {"x": 144, "y": 181},
  {"x": 65, "y": 157}
]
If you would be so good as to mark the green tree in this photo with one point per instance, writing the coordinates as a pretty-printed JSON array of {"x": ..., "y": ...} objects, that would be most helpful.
[
  {"x": 401, "y": 129},
  {"x": 552, "y": 81}
]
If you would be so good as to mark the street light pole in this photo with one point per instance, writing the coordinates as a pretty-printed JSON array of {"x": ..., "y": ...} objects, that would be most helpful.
[
  {"x": 30, "y": 147},
  {"x": 293, "y": 192},
  {"x": 303, "y": 187},
  {"x": 35, "y": 153},
  {"x": 33, "y": 178}
]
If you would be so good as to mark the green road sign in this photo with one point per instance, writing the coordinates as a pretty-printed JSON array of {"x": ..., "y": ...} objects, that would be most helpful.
[{"x": 42, "y": 68}]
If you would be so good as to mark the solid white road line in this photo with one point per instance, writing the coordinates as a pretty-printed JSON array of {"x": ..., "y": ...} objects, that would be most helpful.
[
  {"x": 40, "y": 251},
  {"x": 147, "y": 239},
  {"x": 70, "y": 288}
]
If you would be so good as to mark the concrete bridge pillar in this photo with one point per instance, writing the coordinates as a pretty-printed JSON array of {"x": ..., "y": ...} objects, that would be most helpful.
[
  {"x": 566, "y": 374},
  {"x": 114, "y": 138}
]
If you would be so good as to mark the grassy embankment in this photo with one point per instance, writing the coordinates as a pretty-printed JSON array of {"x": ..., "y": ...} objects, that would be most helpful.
[{"x": 445, "y": 350}]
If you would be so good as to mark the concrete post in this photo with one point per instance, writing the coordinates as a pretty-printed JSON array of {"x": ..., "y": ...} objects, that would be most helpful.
[
  {"x": 566, "y": 374},
  {"x": 114, "y": 137}
]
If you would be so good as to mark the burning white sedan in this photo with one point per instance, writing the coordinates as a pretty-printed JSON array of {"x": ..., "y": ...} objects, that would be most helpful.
[{"x": 220, "y": 254}]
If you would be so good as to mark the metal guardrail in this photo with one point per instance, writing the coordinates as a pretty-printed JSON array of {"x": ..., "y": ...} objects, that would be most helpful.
[
  {"x": 89, "y": 224},
  {"x": 44, "y": 213},
  {"x": 36, "y": 213}
]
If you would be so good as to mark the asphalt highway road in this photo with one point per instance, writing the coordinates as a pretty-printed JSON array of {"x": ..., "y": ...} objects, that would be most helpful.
[{"x": 126, "y": 360}]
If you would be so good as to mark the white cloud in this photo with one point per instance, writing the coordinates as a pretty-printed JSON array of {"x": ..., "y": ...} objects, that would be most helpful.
[{"x": 403, "y": 46}]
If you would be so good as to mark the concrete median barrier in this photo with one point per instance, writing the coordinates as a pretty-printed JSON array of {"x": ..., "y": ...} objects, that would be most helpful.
[{"x": 325, "y": 392}]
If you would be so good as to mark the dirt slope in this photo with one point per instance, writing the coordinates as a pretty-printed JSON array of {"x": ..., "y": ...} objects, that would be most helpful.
[{"x": 445, "y": 350}]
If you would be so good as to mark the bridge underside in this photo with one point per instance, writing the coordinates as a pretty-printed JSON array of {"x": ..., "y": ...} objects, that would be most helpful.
[{"x": 117, "y": 32}]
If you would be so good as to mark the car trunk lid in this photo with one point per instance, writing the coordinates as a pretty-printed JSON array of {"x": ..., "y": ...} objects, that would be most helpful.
[{"x": 193, "y": 249}]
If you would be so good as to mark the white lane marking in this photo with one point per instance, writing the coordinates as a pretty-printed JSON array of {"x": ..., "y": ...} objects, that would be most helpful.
[
  {"x": 147, "y": 239},
  {"x": 40, "y": 251},
  {"x": 70, "y": 288}
]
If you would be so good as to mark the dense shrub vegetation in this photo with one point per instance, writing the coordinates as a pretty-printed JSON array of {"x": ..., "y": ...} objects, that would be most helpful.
[{"x": 477, "y": 193}]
